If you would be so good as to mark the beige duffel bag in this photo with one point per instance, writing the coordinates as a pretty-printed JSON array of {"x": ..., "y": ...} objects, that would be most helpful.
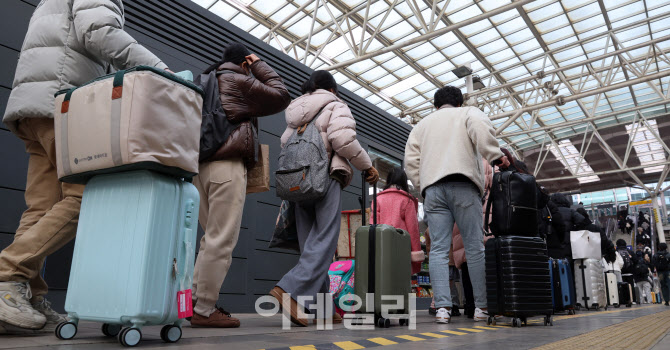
[{"x": 140, "y": 118}]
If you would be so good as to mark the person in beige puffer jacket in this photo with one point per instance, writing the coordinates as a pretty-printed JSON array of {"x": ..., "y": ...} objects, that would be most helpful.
[
  {"x": 68, "y": 43},
  {"x": 318, "y": 221}
]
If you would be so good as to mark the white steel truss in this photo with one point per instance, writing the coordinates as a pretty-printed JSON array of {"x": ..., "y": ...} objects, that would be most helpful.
[{"x": 552, "y": 69}]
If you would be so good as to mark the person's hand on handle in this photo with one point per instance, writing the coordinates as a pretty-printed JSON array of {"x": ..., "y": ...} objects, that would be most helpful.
[
  {"x": 252, "y": 58},
  {"x": 371, "y": 175}
]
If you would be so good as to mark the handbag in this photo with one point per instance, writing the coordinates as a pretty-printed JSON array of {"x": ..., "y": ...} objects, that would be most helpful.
[
  {"x": 285, "y": 235},
  {"x": 258, "y": 177}
]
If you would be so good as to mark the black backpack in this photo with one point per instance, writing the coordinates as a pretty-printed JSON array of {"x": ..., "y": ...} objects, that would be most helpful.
[
  {"x": 215, "y": 128},
  {"x": 641, "y": 270},
  {"x": 512, "y": 205},
  {"x": 627, "y": 260},
  {"x": 662, "y": 262}
]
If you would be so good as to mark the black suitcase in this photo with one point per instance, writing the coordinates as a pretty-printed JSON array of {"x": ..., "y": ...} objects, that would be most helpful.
[
  {"x": 512, "y": 205},
  {"x": 518, "y": 284},
  {"x": 625, "y": 294}
]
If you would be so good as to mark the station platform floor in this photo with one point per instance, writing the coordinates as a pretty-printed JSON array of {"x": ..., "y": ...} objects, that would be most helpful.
[{"x": 638, "y": 327}]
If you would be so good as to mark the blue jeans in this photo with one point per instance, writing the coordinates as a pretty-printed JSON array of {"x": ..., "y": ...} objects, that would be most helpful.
[
  {"x": 664, "y": 278},
  {"x": 446, "y": 203}
]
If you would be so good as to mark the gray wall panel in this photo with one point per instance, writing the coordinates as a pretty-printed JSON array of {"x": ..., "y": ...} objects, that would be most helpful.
[
  {"x": 8, "y": 58},
  {"x": 12, "y": 206},
  {"x": 13, "y": 153},
  {"x": 4, "y": 96},
  {"x": 14, "y": 19}
]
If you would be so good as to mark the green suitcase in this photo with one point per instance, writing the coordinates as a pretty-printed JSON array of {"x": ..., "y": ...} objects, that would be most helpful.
[{"x": 384, "y": 270}]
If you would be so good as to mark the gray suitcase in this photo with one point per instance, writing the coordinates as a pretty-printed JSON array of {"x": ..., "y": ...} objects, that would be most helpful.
[
  {"x": 590, "y": 284},
  {"x": 383, "y": 267}
]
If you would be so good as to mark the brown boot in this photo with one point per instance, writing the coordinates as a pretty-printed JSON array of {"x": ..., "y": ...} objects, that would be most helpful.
[
  {"x": 336, "y": 319},
  {"x": 218, "y": 319},
  {"x": 278, "y": 293}
]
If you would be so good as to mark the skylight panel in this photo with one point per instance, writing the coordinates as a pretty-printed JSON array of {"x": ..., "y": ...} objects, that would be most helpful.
[
  {"x": 286, "y": 10},
  {"x": 404, "y": 85},
  {"x": 583, "y": 11},
  {"x": 647, "y": 147},
  {"x": 223, "y": 10},
  {"x": 465, "y": 14},
  {"x": 568, "y": 155},
  {"x": 266, "y": 7}
]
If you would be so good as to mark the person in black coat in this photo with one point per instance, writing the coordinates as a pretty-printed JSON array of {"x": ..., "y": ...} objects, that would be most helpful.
[
  {"x": 572, "y": 221},
  {"x": 552, "y": 227}
]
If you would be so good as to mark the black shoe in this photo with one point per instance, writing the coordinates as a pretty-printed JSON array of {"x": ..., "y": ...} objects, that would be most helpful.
[
  {"x": 432, "y": 311},
  {"x": 455, "y": 311},
  {"x": 667, "y": 304}
]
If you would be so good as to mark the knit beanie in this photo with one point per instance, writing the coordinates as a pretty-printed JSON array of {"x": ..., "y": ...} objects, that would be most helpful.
[{"x": 236, "y": 53}]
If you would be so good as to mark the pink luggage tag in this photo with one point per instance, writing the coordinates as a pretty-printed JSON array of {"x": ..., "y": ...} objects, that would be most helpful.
[{"x": 184, "y": 304}]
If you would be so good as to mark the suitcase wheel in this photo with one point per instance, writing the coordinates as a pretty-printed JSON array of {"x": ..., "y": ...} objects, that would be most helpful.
[
  {"x": 171, "y": 334},
  {"x": 516, "y": 322},
  {"x": 572, "y": 312},
  {"x": 403, "y": 321},
  {"x": 111, "y": 330},
  {"x": 130, "y": 337},
  {"x": 548, "y": 321},
  {"x": 66, "y": 330},
  {"x": 383, "y": 322}
]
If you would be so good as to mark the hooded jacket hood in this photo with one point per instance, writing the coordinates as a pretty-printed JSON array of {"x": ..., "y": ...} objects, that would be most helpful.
[
  {"x": 337, "y": 127},
  {"x": 303, "y": 109},
  {"x": 560, "y": 200}
]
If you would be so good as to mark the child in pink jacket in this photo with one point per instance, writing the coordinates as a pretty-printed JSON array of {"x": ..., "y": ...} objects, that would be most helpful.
[{"x": 398, "y": 208}]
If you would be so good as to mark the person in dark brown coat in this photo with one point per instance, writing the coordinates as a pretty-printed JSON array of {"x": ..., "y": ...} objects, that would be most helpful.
[{"x": 249, "y": 89}]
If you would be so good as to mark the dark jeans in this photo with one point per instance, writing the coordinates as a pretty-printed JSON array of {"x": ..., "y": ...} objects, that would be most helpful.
[
  {"x": 467, "y": 290},
  {"x": 664, "y": 278}
]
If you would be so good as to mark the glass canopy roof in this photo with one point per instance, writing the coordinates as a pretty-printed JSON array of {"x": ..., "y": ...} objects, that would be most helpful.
[{"x": 551, "y": 69}]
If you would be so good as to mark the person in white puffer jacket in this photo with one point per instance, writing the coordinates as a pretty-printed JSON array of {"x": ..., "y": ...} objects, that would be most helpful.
[{"x": 68, "y": 43}]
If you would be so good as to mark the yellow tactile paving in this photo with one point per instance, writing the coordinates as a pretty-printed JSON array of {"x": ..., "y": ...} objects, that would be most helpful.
[
  {"x": 435, "y": 335},
  {"x": 488, "y": 328},
  {"x": 382, "y": 341},
  {"x": 348, "y": 345},
  {"x": 454, "y": 332},
  {"x": 639, "y": 333},
  {"x": 409, "y": 337},
  {"x": 471, "y": 330},
  {"x": 303, "y": 347}
]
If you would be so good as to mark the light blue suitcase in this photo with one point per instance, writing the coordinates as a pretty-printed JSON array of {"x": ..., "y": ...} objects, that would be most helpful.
[{"x": 134, "y": 251}]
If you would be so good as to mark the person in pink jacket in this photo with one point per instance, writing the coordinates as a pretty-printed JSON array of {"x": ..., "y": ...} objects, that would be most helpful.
[
  {"x": 318, "y": 221},
  {"x": 398, "y": 208},
  {"x": 459, "y": 249}
]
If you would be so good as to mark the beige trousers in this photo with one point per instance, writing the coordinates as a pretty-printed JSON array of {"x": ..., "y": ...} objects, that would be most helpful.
[
  {"x": 53, "y": 209},
  {"x": 222, "y": 186}
]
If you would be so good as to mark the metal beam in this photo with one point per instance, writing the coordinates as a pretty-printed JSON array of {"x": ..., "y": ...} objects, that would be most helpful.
[
  {"x": 431, "y": 35},
  {"x": 607, "y": 172},
  {"x": 566, "y": 99},
  {"x": 572, "y": 66},
  {"x": 571, "y": 123}
]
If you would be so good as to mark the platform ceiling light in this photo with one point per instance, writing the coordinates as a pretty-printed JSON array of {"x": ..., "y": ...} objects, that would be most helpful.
[
  {"x": 477, "y": 83},
  {"x": 462, "y": 71}
]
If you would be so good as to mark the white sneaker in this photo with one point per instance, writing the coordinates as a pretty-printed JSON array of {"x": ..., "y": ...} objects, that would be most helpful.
[
  {"x": 443, "y": 315},
  {"x": 480, "y": 315},
  {"x": 15, "y": 308}
]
